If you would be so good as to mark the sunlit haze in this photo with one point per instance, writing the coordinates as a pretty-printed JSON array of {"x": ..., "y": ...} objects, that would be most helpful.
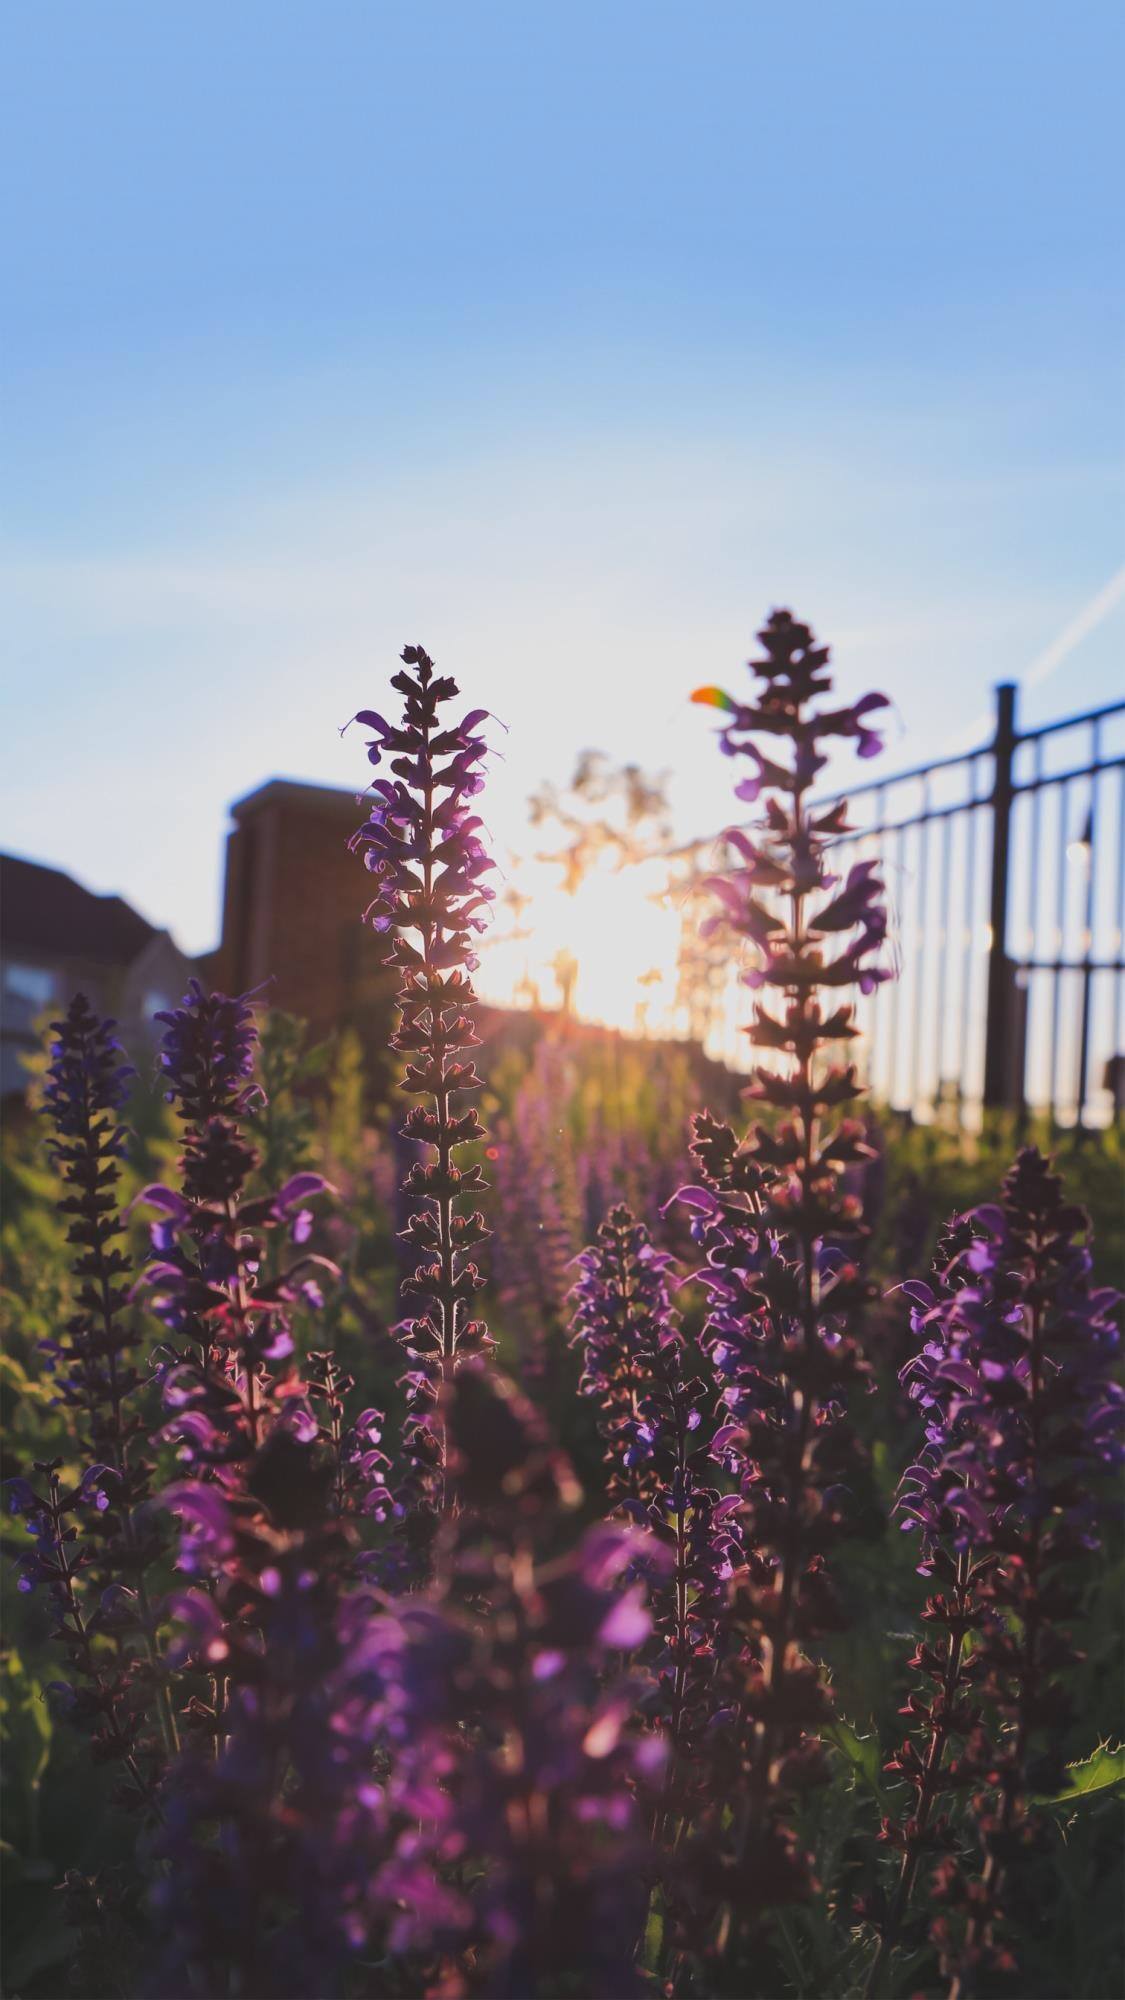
[{"x": 566, "y": 342}]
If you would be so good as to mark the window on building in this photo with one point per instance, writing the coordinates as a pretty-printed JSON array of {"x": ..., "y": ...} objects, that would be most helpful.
[
  {"x": 35, "y": 985},
  {"x": 156, "y": 1002}
]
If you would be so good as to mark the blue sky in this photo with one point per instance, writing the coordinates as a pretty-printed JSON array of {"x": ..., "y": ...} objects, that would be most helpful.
[{"x": 565, "y": 339}]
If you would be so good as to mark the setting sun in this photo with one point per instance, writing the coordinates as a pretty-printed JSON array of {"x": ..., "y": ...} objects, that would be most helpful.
[{"x": 606, "y": 952}]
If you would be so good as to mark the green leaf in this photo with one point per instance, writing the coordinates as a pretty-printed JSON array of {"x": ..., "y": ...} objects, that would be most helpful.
[
  {"x": 1099, "y": 1776},
  {"x": 25, "y": 1739},
  {"x": 24, "y": 1717},
  {"x": 861, "y": 1753},
  {"x": 654, "y": 1934}
]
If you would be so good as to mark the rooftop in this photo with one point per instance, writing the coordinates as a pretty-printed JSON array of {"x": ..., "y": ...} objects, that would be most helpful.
[
  {"x": 43, "y": 910},
  {"x": 295, "y": 792}
]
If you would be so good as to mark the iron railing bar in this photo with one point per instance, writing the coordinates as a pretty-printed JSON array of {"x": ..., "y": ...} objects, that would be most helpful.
[
  {"x": 1060, "y": 935},
  {"x": 968, "y": 757},
  {"x": 1088, "y": 841},
  {"x": 693, "y": 847},
  {"x": 1068, "y": 964},
  {"x": 1089, "y": 716},
  {"x": 1035, "y": 807},
  {"x": 919, "y": 771},
  {"x": 968, "y": 805},
  {"x": 1036, "y": 810},
  {"x": 916, "y": 771},
  {"x": 998, "y": 996},
  {"x": 1119, "y": 912},
  {"x": 1069, "y": 777},
  {"x": 934, "y": 813},
  {"x": 966, "y": 975},
  {"x": 875, "y": 1040},
  {"x": 896, "y": 984},
  {"x": 916, "y": 1013},
  {"x": 946, "y": 955}
]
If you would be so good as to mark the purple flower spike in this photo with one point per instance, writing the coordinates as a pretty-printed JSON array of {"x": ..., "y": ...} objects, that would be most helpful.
[
  {"x": 780, "y": 1247},
  {"x": 105, "y": 1696},
  {"x": 230, "y": 1366},
  {"x": 1025, "y": 1418},
  {"x": 207, "y": 1056},
  {"x": 513, "y": 1725},
  {"x": 661, "y": 1472},
  {"x": 94, "y": 1365},
  {"x": 422, "y": 846}
]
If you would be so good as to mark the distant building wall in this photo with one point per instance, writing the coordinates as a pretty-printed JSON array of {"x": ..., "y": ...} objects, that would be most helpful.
[{"x": 293, "y": 900}]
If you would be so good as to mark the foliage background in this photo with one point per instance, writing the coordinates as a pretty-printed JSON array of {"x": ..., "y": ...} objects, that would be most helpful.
[{"x": 576, "y": 1117}]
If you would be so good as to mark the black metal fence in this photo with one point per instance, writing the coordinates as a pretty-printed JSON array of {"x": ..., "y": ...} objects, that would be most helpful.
[{"x": 1005, "y": 871}]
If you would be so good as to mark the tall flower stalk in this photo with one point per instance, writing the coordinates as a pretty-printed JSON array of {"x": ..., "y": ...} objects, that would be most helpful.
[
  {"x": 87, "y": 1086},
  {"x": 661, "y": 1475},
  {"x": 780, "y": 1241},
  {"x": 942, "y": 1711},
  {"x": 1019, "y": 1364},
  {"x": 511, "y": 1722},
  {"x": 103, "y": 1696},
  {"x": 230, "y": 1379},
  {"x": 94, "y": 1359},
  {"x": 422, "y": 847},
  {"x": 207, "y": 1277},
  {"x": 265, "y": 1838},
  {"x": 256, "y": 1822}
]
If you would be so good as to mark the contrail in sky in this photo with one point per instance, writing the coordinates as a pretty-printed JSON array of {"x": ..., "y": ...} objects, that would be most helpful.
[{"x": 1088, "y": 619}]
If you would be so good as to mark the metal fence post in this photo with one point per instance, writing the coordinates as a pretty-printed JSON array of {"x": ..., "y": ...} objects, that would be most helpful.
[
  {"x": 998, "y": 1015},
  {"x": 1087, "y": 841}
]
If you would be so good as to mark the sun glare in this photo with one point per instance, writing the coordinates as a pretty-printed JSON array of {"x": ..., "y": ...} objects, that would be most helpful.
[{"x": 607, "y": 952}]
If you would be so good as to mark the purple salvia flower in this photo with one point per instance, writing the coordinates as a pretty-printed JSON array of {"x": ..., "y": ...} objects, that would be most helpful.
[
  {"x": 282, "y": 1900},
  {"x": 360, "y": 1468},
  {"x": 103, "y": 1695},
  {"x": 657, "y": 1447},
  {"x": 207, "y": 1056},
  {"x": 514, "y": 1724},
  {"x": 266, "y": 1551},
  {"x": 234, "y": 1400},
  {"x": 92, "y": 1361},
  {"x": 779, "y": 1239},
  {"x": 423, "y": 849},
  {"x": 623, "y": 1324},
  {"x": 1024, "y": 1418},
  {"x": 1037, "y": 1424},
  {"x": 207, "y": 1277},
  {"x": 942, "y": 1712}
]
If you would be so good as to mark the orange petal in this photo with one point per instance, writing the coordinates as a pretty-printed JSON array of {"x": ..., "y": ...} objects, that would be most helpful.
[{"x": 712, "y": 698}]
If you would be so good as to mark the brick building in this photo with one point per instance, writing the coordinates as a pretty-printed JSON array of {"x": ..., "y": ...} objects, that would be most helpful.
[{"x": 293, "y": 898}]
